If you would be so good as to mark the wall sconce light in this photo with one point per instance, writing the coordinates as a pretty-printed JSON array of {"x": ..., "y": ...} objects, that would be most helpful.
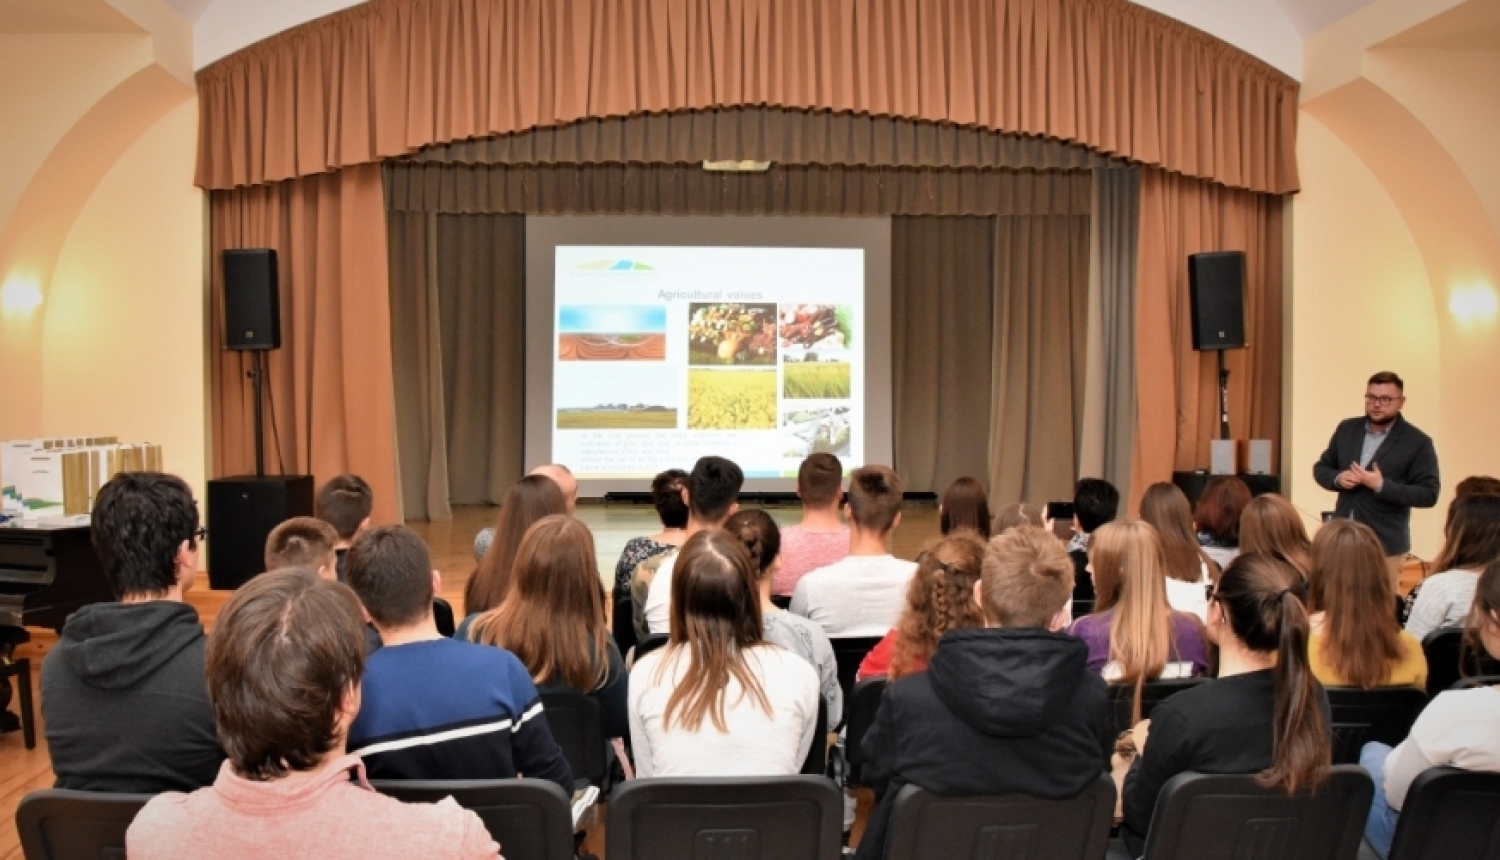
[
  {"x": 1474, "y": 304},
  {"x": 20, "y": 295}
]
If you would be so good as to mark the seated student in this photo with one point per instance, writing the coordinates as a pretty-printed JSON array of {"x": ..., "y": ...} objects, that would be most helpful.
[
  {"x": 304, "y": 542},
  {"x": 1188, "y": 568},
  {"x": 1266, "y": 715},
  {"x": 284, "y": 671},
  {"x": 762, "y": 539},
  {"x": 1271, "y": 526},
  {"x": 553, "y": 619},
  {"x": 1015, "y": 514},
  {"x": 1471, "y": 542},
  {"x": 1356, "y": 641},
  {"x": 1095, "y": 502},
  {"x": 965, "y": 506},
  {"x": 666, "y": 497},
  {"x": 527, "y": 500},
  {"x": 939, "y": 599},
  {"x": 345, "y": 503},
  {"x": 434, "y": 707},
  {"x": 1134, "y": 635},
  {"x": 1217, "y": 517},
  {"x": 1459, "y": 728},
  {"x": 863, "y": 594},
  {"x": 717, "y": 699},
  {"x": 1007, "y": 708},
  {"x": 123, "y": 698},
  {"x": 820, "y": 538},
  {"x": 712, "y": 494},
  {"x": 558, "y": 474}
]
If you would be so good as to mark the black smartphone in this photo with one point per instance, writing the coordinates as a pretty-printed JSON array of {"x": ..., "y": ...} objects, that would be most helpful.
[{"x": 1059, "y": 511}]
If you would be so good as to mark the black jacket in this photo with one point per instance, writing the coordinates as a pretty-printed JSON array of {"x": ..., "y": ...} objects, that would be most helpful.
[
  {"x": 1407, "y": 461},
  {"x": 996, "y": 712},
  {"x": 126, "y": 703}
]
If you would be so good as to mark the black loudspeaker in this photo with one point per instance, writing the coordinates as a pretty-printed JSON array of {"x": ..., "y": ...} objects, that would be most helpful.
[
  {"x": 1217, "y": 294},
  {"x": 252, "y": 302},
  {"x": 241, "y": 513}
]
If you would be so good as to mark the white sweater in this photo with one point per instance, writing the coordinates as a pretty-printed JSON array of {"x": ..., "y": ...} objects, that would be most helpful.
[
  {"x": 1459, "y": 728},
  {"x": 862, "y": 595},
  {"x": 1443, "y": 601},
  {"x": 757, "y": 744}
]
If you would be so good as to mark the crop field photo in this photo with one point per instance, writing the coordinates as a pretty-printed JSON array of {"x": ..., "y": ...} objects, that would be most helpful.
[
  {"x": 618, "y": 397},
  {"x": 731, "y": 400},
  {"x": 618, "y": 417},
  {"x": 808, "y": 380}
]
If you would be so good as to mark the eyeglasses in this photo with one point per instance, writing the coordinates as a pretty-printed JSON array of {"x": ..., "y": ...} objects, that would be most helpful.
[
  {"x": 1208, "y": 592},
  {"x": 200, "y": 534},
  {"x": 1383, "y": 400}
]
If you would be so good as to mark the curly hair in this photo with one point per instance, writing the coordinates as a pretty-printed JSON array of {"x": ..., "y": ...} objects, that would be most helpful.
[{"x": 941, "y": 598}]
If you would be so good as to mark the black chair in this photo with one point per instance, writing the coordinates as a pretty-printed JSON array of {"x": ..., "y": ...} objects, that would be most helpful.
[
  {"x": 622, "y": 623},
  {"x": 1448, "y": 660},
  {"x": 1153, "y": 693},
  {"x": 1476, "y": 681},
  {"x": 58, "y": 824},
  {"x": 781, "y": 601},
  {"x": 20, "y": 669},
  {"x": 862, "y": 707},
  {"x": 1017, "y": 826},
  {"x": 1201, "y": 815},
  {"x": 578, "y": 727},
  {"x": 816, "y": 762},
  {"x": 442, "y": 613},
  {"x": 848, "y": 653},
  {"x": 785, "y": 817},
  {"x": 1384, "y": 714},
  {"x": 647, "y": 645},
  {"x": 532, "y": 819},
  {"x": 1449, "y": 813}
]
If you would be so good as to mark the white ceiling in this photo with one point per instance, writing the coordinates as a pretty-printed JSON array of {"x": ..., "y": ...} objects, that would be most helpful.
[
  {"x": 190, "y": 9},
  {"x": 1310, "y": 16}
]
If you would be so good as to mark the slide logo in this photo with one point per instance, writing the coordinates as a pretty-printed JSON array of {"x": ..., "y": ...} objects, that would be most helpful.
[{"x": 613, "y": 266}]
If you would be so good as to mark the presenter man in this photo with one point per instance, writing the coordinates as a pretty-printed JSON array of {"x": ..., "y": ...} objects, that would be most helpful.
[{"x": 1381, "y": 466}]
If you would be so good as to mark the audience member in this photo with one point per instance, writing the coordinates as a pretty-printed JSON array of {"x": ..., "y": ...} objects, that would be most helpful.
[
  {"x": 123, "y": 697},
  {"x": 1471, "y": 542},
  {"x": 671, "y": 509},
  {"x": 1477, "y": 485},
  {"x": 1218, "y": 517},
  {"x": 345, "y": 503},
  {"x": 863, "y": 594},
  {"x": 558, "y": 474},
  {"x": 1015, "y": 514},
  {"x": 821, "y": 538},
  {"x": 1188, "y": 568},
  {"x": 284, "y": 670},
  {"x": 758, "y": 532},
  {"x": 939, "y": 599},
  {"x": 1459, "y": 728},
  {"x": 553, "y": 619},
  {"x": 1005, "y": 709},
  {"x": 527, "y": 500},
  {"x": 434, "y": 707},
  {"x": 1266, "y": 715},
  {"x": 304, "y": 542},
  {"x": 712, "y": 494},
  {"x": 1271, "y": 526},
  {"x": 965, "y": 506},
  {"x": 717, "y": 700},
  {"x": 1356, "y": 641},
  {"x": 1095, "y": 502},
  {"x": 1134, "y": 635}
]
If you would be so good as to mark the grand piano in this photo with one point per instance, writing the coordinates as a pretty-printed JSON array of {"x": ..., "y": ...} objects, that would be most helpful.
[{"x": 47, "y": 573}]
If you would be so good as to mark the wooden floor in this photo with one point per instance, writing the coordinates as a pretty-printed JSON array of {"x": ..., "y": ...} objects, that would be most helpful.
[{"x": 23, "y": 770}]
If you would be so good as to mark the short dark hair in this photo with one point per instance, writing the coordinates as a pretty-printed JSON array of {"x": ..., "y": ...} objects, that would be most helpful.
[
  {"x": 1095, "y": 502},
  {"x": 139, "y": 521},
  {"x": 1477, "y": 485},
  {"x": 666, "y": 495},
  {"x": 286, "y": 649},
  {"x": 1386, "y": 377},
  {"x": 713, "y": 487},
  {"x": 345, "y": 502},
  {"x": 300, "y": 542},
  {"x": 875, "y": 494},
  {"x": 820, "y": 479},
  {"x": 391, "y": 571}
]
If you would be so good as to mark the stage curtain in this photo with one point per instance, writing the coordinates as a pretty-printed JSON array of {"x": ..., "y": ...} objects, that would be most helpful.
[
  {"x": 387, "y": 77},
  {"x": 1178, "y": 412},
  {"x": 1109, "y": 414},
  {"x": 330, "y": 383}
]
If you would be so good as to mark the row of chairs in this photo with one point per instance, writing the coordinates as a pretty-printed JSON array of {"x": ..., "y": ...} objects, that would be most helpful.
[{"x": 1449, "y": 814}]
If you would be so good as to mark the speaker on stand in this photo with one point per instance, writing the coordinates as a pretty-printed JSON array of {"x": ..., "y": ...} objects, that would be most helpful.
[{"x": 242, "y": 510}]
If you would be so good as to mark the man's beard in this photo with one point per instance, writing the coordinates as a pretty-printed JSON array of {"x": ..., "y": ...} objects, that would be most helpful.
[{"x": 1386, "y": 423}]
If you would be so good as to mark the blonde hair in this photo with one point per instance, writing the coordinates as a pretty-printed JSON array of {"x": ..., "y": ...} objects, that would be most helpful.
[
  {"x": 1271, "y": 526},
  {"x": 1027, "y": 578},
  {"x": 1128, "y": 554}
]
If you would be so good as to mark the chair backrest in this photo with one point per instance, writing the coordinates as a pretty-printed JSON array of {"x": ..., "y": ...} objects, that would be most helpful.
[
  {"x": 58, "y": 824},
  {"x": 1153, "y": 693},
  {"x": 578, "y": 727},
  {"x": 1384, "y": 714},
  {"x": 1013, "y": 826},
  {"x": 1449, "y": 813},
  {"x": 1448, "y": 661},
  {"x": 623, "y": 623},
  {"x": 780, "y": 817},
  {"x": 647, "y": 645},
  {"x": 1201, "y": 815},
  {"x": 532, "y": 819},
  {"x": 848, "y": 653},
  {"x": 863, "y": 705},
  {"x": 816, "y": 762},
  {"x": 1476, "y": 681},
  {"x": 442, "y": 613}
]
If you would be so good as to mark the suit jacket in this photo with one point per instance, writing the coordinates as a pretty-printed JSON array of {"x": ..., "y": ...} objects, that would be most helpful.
[{"x": 1407, "y": 461}]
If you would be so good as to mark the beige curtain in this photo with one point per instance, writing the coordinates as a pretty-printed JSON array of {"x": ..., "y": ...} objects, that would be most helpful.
[{"x": 1106, "y": 449}]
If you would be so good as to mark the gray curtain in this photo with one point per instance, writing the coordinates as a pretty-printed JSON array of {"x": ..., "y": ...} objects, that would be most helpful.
[{"x": 1109, "y": 420}]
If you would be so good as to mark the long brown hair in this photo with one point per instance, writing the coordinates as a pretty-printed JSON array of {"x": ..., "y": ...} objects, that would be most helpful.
[
  {"x": 716, "y": 619},
  {"x": 1257, "y": 594},
  {"x": 1166, "y": 508},
  {"x": 1270, "y": 525},
  {"x": 1218, "y": 511},
  {"x": 527, "y": 500},
  {"x": 1349, "y": 585},
  {"x": 1471, "y": 539},
  {"x": 965, "y": 506},
  {"x": 1140, "y": 630},
  {"x": 553, "y": 618},
  {"x": 940, "y": 598}
]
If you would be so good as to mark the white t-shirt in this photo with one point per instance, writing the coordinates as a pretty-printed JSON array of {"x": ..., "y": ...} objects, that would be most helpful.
[
  {"x": 862, "y": 595},
  {"x": 756, "y": 744},
  {"x": 1443, "y": 601},
  {"x": 659, "y": 599},
  {"x": 1457, "y": 729},
  {"x": 1190, "y": 597}
]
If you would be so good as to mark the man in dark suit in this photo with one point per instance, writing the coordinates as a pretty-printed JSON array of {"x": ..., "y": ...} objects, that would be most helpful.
[{"x": 1381, "y": 466}]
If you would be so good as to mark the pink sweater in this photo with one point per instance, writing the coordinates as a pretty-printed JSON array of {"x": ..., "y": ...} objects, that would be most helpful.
[
  {"x": 803, "y": 552},
  {"x": 325, "y": 816}
]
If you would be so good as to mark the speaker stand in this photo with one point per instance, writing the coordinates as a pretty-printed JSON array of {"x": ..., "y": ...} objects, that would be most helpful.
[
  {"x": 257, "y": 374},
  {"x": 1223, "y": 396}
]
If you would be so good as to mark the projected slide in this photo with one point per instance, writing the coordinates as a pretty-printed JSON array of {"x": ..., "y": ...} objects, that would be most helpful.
[{"x": 664, "y": 354}]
